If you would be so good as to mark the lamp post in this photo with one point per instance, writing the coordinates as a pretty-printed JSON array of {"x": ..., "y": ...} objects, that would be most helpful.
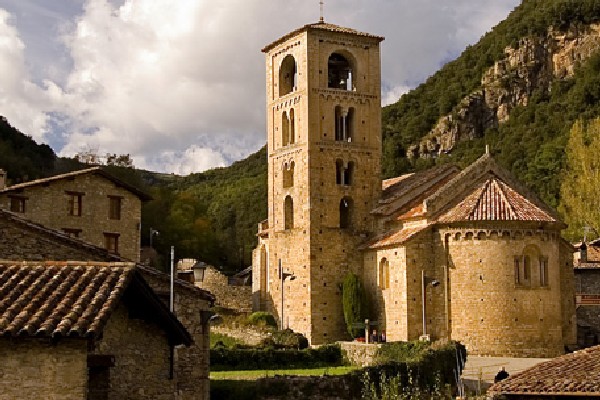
[
  {"x": 152, "y": 233},
  {"x": 282, "y": 277},
  {"x": 424, "y": 282}
]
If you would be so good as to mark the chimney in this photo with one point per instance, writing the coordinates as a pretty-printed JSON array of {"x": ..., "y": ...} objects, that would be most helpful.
[
  {"x": 2, "y": 179},
  {"x": 583, "y": 253}
]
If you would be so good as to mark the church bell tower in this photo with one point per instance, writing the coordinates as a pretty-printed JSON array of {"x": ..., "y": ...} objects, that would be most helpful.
[{"x": 323, "y": 86}]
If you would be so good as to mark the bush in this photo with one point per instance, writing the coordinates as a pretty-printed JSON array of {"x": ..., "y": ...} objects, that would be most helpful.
[
  {"x": 353, "y": 299},
  {"x": 223, "y": 359},
  {"x": 262, "y": 318},
  {"x": 288, "y": 339}
]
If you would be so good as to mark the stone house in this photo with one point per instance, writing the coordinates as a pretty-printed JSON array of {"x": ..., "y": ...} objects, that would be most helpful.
[
  {"x": 89, "y": 204},
  {"x": 467, "y": 255},
  {"x": 571, "y": 376},
  {"x": 72, "y": 330},
  {"x": 23, "y": 240},
  {"x": 587, "y": 292}
]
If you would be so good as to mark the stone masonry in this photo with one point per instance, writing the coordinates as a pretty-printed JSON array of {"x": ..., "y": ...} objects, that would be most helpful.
[{"x": 80, "y": 204}]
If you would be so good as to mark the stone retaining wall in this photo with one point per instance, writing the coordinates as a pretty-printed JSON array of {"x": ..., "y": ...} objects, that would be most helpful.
[{"x": 361, "y": 354}]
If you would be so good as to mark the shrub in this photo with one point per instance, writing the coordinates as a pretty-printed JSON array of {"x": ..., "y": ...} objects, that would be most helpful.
[
  {"x": 262, "y": 318},
  {"x": 354, "y": 304},
  {"x": 289, "y": 339}
]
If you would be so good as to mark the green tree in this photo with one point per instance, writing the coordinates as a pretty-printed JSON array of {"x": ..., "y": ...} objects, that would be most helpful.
[
  {"x": 580, "y": 188},
  {"x": 353, "y": 298}
]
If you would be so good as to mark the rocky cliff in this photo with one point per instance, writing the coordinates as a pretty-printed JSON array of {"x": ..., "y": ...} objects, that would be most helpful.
[{"x": 534, "y": 64}]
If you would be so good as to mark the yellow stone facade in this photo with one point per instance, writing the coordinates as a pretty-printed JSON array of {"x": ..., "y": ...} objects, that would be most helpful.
[{"x": 329, "y": 214}]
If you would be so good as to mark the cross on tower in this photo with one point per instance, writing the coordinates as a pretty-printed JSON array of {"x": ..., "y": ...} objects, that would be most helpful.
[{"x": 321, "y": 5}]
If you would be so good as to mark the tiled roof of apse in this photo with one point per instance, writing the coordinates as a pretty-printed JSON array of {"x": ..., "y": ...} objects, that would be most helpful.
[{"x": 494, "y": 200}]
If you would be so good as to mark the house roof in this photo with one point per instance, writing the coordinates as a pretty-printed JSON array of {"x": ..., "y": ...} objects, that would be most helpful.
[
  {"x": 75, "y": 299},
  {"x": 394, "y": 237},
  {"x": 72, "y": 242},
  {"x": 494, "y": 200},
  {"x": 94, "y": 170},
  {"x": 575, "y": 374},
  {"x": 320, "y": 26}
]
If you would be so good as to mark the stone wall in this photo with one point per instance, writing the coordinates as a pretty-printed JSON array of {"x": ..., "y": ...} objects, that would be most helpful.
[
  {"x": 191, "y": 362},
  {"x": 49, "y": 205},
  {"x": 141, "y": 358},
  {"x": 587, "y": 281},
  {"x": 237, "y": 298},
  {"x": 18, "y": 241},
  {"x": 360, "y": 354},
  {"x": 40, "y": 369}
]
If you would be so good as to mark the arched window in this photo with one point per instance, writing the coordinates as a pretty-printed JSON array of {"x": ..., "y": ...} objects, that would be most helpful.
[
  {"x": 285, "y": 129},
  {"x": 524, "y": 270},
  {"x": 384, "y": 274},
  {"x": 339, "y": 72},
  {"x": 339, "y": 172},
  {"x": 344, "y": 124},
  {"x": 346, "y": 213},
  {"x": 289, "y": 213},
  {"x": 288, "y": 174},
  {"x": 292, "y": 127},
  {"x": 288, "y": 75},
  {"x": 348, "y": 173}
]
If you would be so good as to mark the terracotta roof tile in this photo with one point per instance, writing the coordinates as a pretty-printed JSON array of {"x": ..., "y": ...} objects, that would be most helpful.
[
  {"x": 93, "y": 170},
  {"x": 59, "y": 299},
  {"x": 395, "y": 237},
  {"x": 575, "y": 373},
  {"x": 320, "y": 26},
  {"x": 494, "y": 200}
]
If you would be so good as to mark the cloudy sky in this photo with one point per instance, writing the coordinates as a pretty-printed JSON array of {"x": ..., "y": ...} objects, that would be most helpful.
[{"x": 179, "y": 84}]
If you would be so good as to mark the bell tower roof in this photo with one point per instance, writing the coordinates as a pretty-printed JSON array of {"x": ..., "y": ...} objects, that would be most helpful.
[{"x": 322, "y": 26}]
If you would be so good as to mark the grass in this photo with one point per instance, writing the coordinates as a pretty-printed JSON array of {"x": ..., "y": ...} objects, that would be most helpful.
[{"x": 257, "y": 374}]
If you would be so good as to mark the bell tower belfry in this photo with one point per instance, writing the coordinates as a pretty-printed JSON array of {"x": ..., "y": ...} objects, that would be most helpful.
[{"x": 323, "y": 86}]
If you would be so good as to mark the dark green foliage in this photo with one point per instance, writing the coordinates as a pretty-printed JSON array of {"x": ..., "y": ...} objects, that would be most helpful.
[
  {"x": 21, "y": 157},
  {"x": 262, "y": 318},
  {"x": 353, "y": 299},
  {"x": 269, "y": 358},
  {"x": 288, "y": 339}
]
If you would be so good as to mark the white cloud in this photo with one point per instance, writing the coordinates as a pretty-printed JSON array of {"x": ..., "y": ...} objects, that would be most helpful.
[{"x": 179, "y": 85}]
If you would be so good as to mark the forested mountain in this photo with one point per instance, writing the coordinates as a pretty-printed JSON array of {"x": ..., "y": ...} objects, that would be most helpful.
[{"x": 521, "y": 90}]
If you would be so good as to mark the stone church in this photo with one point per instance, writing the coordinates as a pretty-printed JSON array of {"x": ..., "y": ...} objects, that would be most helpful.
[{"x": 466, "y": 255}]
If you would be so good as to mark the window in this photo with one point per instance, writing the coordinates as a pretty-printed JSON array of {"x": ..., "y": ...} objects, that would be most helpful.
[
  {"x": 345, "y": 213},
  {"x": 17, "y": 204},
  {"x": 289, "y": 213},
  {"x": 73, "y": 232},
  {"x": 114, "y": 207},
  {"x": 292, "y": 127},
  {"x": 288, "y": 76},
  {"x": 543, "y": 271},
  {"x": 288, "y": 174},
  {"x": 384, "y": 273},
  {"x": 343, "y": 173},
  {"x": 339, "y": 72},
  {"x": 75, "y": 200},
  {"x": 111, "y": 242},
  {"x": 344, "y": 124},
  {"x": 518, "y": 270},
  {"x": 288, "y": 128}
]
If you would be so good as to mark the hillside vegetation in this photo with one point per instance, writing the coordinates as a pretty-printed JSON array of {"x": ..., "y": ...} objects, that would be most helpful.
[{"x": 213, "y": 215}]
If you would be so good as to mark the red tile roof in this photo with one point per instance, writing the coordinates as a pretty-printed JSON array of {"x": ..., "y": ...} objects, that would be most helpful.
[
  {"x": 576, "y": 374},
  {"x": 94, "y": 170},
  {"x": 73, "y": 299},
  {"x": 395, "y": 237},
  {"x": 320, "y": 26},
  {"x": 494, "y": 200}
]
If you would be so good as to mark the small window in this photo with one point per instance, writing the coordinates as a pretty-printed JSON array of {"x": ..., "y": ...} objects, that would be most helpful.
[
  {"x": 72, "y": 232},
  {"x": 111, "y": 242},
  {"x": 75, "y": 203},
  {"x": 345, "y": 213},
  {"x": 17, "y": 204},
  {"x": 518, "y": 270},
  {"x": 543, "y": 271},
  {"x": 288, "y": 174},
  {"x": 114, "y": 204},
  {"x": 384, "y": 273},
  {"x": 344, "y": 124},
  {"x": 289, "y": 213}
]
